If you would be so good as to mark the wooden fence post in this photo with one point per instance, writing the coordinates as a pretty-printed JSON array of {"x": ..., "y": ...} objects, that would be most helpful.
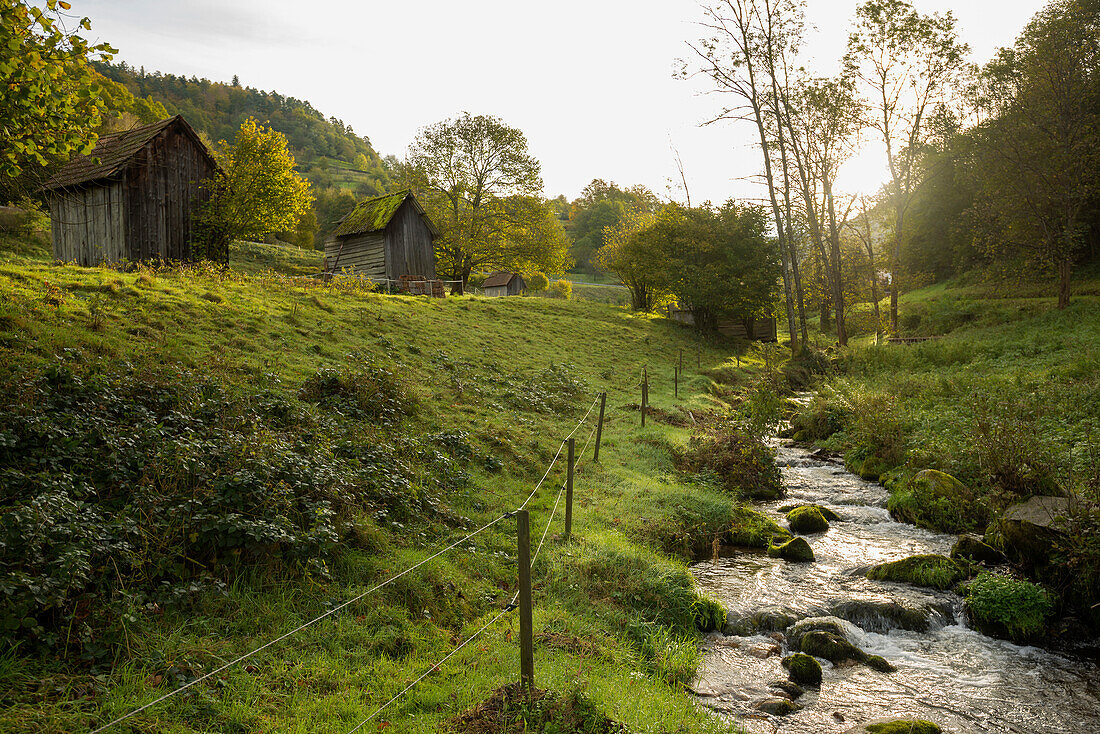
[
  {"x": 676, "y": 379},
  {"x": 599, "y": 427},
  {"x": 645, "y": 392},
  {"x": 526, "y": 636},
  {"x": 569, "y": 490}
]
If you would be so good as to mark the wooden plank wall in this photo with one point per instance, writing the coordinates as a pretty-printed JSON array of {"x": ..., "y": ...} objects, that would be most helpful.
[
  {"x": 362, "y": 253},
  {"x": 88, "y": 224},
  {"x": 409, "y": 245},
  {"x": 164, "y": 188}
]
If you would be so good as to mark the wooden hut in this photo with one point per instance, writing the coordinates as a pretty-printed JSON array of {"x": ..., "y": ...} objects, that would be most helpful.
[
  {"x": 133, "y": 198},
  {"x": 388, "y": 238},
  {"x": 503, "y": 284}
]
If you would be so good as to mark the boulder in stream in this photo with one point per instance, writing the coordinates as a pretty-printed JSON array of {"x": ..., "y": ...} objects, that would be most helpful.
[
  {"x": 753, "y": 529},
  {"x": 759, "y": 622},
  {"x": 880, "y": 615},
  {"x": 803, "y": 669},
  {"x": 795, "y": 549},
  {"x": 807, "y": 519},
  {"x": 938, "y": 501},
  {"x": 1032, "y": 529},
  {"x": 777, "y": 706},
  {"x": 970, "y": 547},
  {"x": 933, "y": 570},
  {"x": 834, "y": 648},
  {"x": 899, "y": 726},
  {"x": 789, "y": 688}
]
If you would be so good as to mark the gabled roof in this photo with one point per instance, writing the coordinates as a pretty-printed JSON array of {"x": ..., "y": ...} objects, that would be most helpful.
[
  {"x": 373, "y": 215},
  {"x": 113, "y": 153},
  {"x": 499, "y": 278}
]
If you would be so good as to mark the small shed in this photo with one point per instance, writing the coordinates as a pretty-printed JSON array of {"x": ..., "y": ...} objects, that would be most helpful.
[
  {"x": 503, "y": 283},
  {"x": 388, "y": 238},
  {"x": 133, "y": 198}
]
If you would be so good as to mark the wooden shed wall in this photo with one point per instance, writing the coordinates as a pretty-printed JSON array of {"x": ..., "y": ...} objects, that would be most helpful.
[
  {"x": 164, "y": 187},
  {"x": 409, "y": 245},
  {"x": 362, "y": 253},
  {"x": 496, "y": 291},
  {"x": 89, "y": 224}
]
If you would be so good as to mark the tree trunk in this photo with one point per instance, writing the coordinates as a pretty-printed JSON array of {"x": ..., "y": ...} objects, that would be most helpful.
[{"x": 1064, "y": 269}]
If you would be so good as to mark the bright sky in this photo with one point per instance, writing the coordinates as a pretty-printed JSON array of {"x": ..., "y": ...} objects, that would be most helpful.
[{"x": 589, "y": 82}]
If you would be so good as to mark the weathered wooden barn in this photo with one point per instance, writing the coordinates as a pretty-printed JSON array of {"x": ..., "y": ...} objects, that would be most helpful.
[
  {"x": 133, "y": 198},
  {"x": 388, "y": 238},
  {"x": 763, "y": 330},
  {"x": 503, "y": 284}
]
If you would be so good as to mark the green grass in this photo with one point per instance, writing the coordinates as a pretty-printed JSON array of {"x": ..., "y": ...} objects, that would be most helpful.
[{"x": 616, "y": 611}]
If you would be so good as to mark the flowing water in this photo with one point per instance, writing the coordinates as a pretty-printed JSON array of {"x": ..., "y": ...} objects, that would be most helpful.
[{"x": 946, "y": 672}]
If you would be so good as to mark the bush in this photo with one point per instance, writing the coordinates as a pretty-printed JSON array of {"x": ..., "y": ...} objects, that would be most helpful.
[
  {"x": 561, "y": 289},
  {"x": 937, "y": 501},
  {"x": 742, "y": 463},
  {"x": 537, "y": 281},
  {"x": 371, "y": 393},
  {"x": 1007, "y": 607}
]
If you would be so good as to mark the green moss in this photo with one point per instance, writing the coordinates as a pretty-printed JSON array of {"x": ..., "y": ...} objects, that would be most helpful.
[
  {"x": 972, "y": 548},
  {"x": 1006, "y": 607},
  {"x": 807, "y": 519},
  {"x": 936, "y": 571},
  {"x": 804, "y": 670},
  {"x": 904, "y": 726},
  {"x": 753, "y": 529},
  {"x": 831, "y": 647},
  {"x": 371, "y": 215},
  {"x": 879, "y": 663},
  {"x": 935, "y": 500},
  {"x": 795, "y": 549}
]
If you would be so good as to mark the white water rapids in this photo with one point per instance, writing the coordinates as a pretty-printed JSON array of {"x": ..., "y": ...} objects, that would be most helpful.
[{"x": 946, "y": 672}]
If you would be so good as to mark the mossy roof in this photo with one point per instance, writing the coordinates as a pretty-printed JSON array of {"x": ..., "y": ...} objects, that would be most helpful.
[{"x": 375, "y": 214}]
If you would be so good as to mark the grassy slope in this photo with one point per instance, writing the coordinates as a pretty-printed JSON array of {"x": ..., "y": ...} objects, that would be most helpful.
[{"x": 466, "y": 356}]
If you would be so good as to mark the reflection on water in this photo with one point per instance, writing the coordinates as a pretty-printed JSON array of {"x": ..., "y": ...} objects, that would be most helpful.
[{"x": 946, "y": 672}]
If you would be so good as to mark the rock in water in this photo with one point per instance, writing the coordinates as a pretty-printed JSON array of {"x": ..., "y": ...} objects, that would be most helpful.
[
  {"x": 796, "y": 550},
  {"x": 902, "y": 726},
  {"x": 831, "y": 647},
  {"x": 879, "y": 663},
  {"x": 936, "y": 571},
  {"x": 972, "y": 548},
  {"x": 804, "y": 670},
  {"x": 777, "y": 706},
  {"x": 1032, "y": 529},
  {"x": 799, "y": 629},
  {"x": 790, "y": 689},
  {"x": 807, "y": 519}
]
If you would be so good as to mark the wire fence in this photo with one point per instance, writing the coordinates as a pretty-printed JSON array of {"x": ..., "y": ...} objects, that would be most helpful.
[{"x": 509, "y": 607}]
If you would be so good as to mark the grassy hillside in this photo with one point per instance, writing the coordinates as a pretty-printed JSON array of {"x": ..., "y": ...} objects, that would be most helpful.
[{"x": 224, "y": 455}]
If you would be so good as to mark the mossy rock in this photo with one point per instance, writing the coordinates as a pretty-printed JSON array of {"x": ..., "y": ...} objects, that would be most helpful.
[
  {"x": 871, "y": 468},
  {"x": 777, "y": 706},
  {"x": 830, "y": 647},
  {"x": 904, "y": 726},
  {"x": 932, "y": 570},
  {"x": 752, "y": 529},
  {"x": 807, "y": 519},
  {"x": 765, "y": 620},
  {"x": 879, "y": 663},
  {"x": 935, "y": 500},
  {"x": 803, "y": 436},
  {"x": 803, "y": 669},
  {"x": 803, "y": 627},
  {"x": 880, "y": 615},
  {"x": 796, "y": 550},
  {"x": 972, "y": 548}
]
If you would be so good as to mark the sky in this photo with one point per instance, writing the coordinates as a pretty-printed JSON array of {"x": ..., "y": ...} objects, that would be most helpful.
[{"x": 590, "y": 82}]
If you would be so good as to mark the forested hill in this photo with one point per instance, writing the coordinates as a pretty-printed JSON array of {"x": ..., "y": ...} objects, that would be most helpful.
[{"x": 329, "y": 153}]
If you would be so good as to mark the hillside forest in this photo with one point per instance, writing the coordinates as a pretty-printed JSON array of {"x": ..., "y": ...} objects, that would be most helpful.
[{"x": 248, "y": 491}]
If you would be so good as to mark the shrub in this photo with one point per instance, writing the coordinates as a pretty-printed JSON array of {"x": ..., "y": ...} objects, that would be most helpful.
[
  {"x": 1008, "y": 607},
  {"x": 371, "y": 393},
  {"x": 742, "y": 463},
  {"x": 825, "y": 414},
  {"x": 537, "y": 281},
  {"x": 561, "y": 289}
]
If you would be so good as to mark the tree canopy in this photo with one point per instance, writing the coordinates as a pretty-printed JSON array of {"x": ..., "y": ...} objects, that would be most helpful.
[{"x": 483, "y": 190}]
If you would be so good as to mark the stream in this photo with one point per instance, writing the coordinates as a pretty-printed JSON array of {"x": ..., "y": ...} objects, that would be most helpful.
[{"x": 946, "y": 672}]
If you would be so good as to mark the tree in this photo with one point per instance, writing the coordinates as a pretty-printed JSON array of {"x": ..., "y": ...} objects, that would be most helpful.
[
  {"x": 1038, "y": 159},
  {"x": 744, "y": 58},
  {"x": 907, "y": 63},
  {"x": 483, "y": 191},
  {"x": 720, "y": 263},
  {"x": 260, "y": 191},
  {"x": 628, "y": 258},
  {"x": 49, "y": 97}
]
